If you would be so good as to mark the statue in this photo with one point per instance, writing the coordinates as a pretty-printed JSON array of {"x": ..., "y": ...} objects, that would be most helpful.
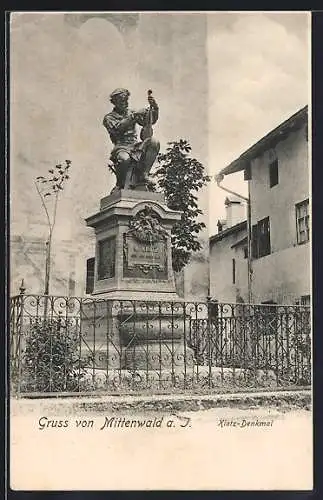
[{"x": 131, "y": 160}]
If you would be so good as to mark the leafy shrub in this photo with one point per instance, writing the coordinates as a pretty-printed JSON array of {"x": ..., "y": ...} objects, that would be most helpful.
[
  {"x": 51, "y": 360},
  {"x": 180, "y": 177}
]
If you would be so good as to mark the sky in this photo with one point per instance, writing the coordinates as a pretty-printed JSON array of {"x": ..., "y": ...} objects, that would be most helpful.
[{"x": 258, "y": 75}]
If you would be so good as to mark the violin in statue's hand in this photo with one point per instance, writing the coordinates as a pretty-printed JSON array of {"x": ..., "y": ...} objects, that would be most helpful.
[
  {"x": 147, "y": 130},
  {"x": 151, "y": 100}
]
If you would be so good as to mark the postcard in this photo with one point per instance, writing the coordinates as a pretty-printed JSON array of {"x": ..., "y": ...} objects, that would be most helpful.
[{"x": 160, "y": 242}]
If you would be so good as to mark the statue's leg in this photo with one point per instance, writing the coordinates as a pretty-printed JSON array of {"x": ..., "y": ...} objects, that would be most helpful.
[
  {"x": 129, "y": 181},
  {"x": 122, "y": 167},
  {"x": 151, "y": 149}
]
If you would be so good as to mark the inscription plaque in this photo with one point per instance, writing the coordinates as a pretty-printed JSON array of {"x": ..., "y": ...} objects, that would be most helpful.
[
  {"x": 142, "y": 254},
  {"x": 145, "y": 260},
  {"x": 107, "y": 255}
]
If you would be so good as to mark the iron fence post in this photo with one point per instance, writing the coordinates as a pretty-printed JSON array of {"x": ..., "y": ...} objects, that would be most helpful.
[{"x": 20, "y": 332}]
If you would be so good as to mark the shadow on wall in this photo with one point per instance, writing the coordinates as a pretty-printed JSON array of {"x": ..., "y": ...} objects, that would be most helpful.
[
  {"x": 179, "y": 283},
  {"x": 192, "y": 282},
  {"x": 27, "y": 262}
]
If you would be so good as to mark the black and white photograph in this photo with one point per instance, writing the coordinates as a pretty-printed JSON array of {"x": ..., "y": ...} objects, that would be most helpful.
[{"x": 160, "y": 250}]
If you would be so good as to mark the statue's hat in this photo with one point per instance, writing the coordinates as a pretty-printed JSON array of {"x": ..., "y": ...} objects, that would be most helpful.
[{"x": 120, "y": 91}]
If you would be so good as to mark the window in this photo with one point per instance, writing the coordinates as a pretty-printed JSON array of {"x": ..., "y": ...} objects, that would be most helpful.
[
  {"x": 254, "y": 242},
  {"x": 213, "y": 309},
  {"x": 245, "y": 252},
  {"x": 302, "y": 222},
  {"x": 273, "y": 173},
  {"x": 233, "y": 271},
  {"x": 305, "y": 300},
  {"x": 261, "y": 239},
  {"x": 90, "y": 263}
]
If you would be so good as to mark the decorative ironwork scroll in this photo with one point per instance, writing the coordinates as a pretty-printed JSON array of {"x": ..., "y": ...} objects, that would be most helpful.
[{"x": 79, "y": 345}]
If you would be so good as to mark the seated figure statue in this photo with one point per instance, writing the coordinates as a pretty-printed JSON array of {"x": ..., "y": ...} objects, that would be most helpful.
[{"x": 131, "y": 158}]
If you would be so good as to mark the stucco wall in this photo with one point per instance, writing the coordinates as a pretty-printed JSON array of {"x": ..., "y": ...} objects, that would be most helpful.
[
  {"x": 279, "y": 201},
  {"x": 28, "y": 262},
  {"x": 222, "y": 287},
  {"x": 196, "y": 275},
  {"x": 241, "y": 275},
  {"x": 284, "y": 275}
]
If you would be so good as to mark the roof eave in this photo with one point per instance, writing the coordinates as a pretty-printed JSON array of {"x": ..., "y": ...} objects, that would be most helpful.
[
  {"x": 229, "y": 230},
  {"x": 268, "y": 141}
]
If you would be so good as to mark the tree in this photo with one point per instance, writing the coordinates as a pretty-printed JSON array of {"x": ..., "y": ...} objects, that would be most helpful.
[
  {"x": 51, "y": 186},
  {"x": 179, "y": 176}
]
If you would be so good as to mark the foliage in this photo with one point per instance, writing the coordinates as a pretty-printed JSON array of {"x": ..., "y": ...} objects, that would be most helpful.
[
  {"x": 51, "y": 360},
  {"x": 180, "y": 176},
  {"x": 46, "y": 187},
  {"x": 55, "y": 181}
]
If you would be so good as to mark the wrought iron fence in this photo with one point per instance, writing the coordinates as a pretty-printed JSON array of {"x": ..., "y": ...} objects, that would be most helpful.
[{"x": 80, "y": 345}]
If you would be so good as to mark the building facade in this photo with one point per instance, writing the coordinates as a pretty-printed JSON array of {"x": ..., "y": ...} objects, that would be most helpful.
[
  {"x": 228, "y": 257},
  {"x": 277, "y": 171}
]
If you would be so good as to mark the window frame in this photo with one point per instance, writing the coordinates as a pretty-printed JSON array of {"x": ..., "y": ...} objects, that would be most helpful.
[
  {"x": 305, "y": 300},
  {"x": 273, "y": 173},
  {"x": 305, "y": 218}
]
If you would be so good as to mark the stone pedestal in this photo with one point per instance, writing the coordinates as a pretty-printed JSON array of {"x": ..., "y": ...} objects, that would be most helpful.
[
  {"x": 140, "y": 323},
  {"x": 125, "y": 267}
]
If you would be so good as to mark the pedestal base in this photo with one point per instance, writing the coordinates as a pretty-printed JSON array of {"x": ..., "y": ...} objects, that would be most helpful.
[
  {"x": 136, "y": 335},
  {"x": 135, "y": 323},
  {"x": 157, "y": 356}
]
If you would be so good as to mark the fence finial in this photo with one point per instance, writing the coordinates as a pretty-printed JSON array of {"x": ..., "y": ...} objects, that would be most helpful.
[{"x": 22, "y": 288}]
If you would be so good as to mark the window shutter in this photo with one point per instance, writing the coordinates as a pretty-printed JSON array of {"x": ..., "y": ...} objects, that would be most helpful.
[
  {"x": 233, "y": 271},
  {"x": 266, "y": 236},
  {"x": 254, "y": 242},
  {"x": 263, "y": 237},
  {"x": 268, "y": 240}
]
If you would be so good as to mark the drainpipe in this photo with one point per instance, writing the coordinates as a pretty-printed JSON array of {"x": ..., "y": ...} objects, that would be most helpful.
[{"x": 218, "y": 179}]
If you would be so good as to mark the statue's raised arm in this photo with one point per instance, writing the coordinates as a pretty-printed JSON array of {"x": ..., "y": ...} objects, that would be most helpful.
[{"x": 131, "y": 159}]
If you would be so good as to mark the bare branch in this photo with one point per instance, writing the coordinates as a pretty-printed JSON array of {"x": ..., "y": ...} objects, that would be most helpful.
[
  {"x": 55, "y": 185},
  {"x": 55, "y": 211},
  {"x": 44, "y": 205}
]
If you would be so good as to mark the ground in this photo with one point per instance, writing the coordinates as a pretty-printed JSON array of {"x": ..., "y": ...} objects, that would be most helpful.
[{"x": 213, "y": 449}]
